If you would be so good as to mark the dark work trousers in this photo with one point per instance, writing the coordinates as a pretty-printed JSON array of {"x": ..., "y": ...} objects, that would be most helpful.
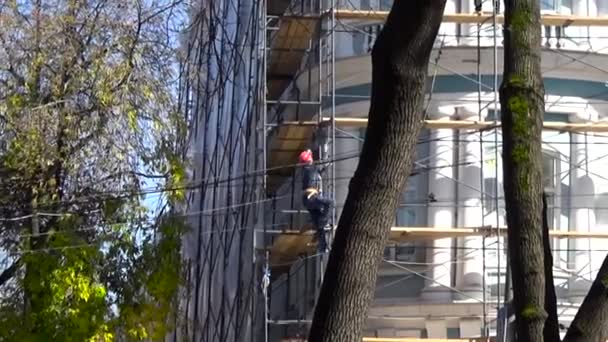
[{"x": 319, "y": 209}]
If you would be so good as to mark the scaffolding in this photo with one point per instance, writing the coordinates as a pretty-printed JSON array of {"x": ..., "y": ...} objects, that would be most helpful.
[
  {"x": 282, "y": 47},
  {"x": 300, "y": 45},
  {"x": 288, "y": 136}
]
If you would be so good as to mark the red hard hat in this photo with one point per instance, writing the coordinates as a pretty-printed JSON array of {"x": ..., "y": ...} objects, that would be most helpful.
[{"x": 305, "y": 156}]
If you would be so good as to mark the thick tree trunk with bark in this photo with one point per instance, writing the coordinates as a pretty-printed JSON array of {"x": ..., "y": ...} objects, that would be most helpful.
[
  {"x": 551, "y": 330},
  {"x": 522, "y": 108},
  {"x": 400, "y": 60},
  {"x": 591, "y": 321}
]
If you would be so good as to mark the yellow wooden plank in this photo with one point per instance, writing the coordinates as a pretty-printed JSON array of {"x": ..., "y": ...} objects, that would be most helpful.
[
  {"x": 289, "y": 246},
  {"x": 399, "y": 234},
  {"x": 413, "y": 339},
  {"x": 459, "y": 124},
  {"x": 476, "y": 18},
  {"x": 410, "y": 339}
]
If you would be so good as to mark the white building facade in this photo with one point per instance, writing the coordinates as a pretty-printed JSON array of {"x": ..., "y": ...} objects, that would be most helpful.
[{"x": 455, "y": 287}]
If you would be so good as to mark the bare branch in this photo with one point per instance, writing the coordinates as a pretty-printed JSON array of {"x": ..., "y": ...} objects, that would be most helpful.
[{"x": 9, "y": 273}]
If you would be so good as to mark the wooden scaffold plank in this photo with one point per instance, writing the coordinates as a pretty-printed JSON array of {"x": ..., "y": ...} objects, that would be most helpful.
[
  {"x": 289, "y": 246},
  {"x": 410, "y": 339},
  {"x": 480, "y": 18},
  {"x": 292, "y": 136},
  {"x": 343, "y": 122}
]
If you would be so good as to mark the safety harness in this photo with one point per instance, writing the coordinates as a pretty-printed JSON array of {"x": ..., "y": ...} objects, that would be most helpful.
[{"x": 311, "y": 192}]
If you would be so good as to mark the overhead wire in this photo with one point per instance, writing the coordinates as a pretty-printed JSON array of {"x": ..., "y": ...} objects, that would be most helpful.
[
  {"x": 204, "y": 185},
  {"x": 195, "y": 184}
]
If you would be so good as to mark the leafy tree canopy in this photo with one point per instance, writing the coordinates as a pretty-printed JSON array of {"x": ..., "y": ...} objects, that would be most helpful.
[{"x": 91, "y": 138}]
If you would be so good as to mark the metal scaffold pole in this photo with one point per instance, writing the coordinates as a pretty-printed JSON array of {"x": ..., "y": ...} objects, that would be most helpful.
[
  {"x": 481, "y": 177},
  {"x": 333, "y": 116},
  {"x": 265, "y": 287},
  {"x": 495, "y": 13},
  {"x": 320, "y": 118},
  {"x": 264, "y": 88}
]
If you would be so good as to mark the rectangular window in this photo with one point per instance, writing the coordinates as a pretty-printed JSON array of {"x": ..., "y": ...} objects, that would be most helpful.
[
  {"x": 549, "y": 165},
  {"x": 359, "y": 39},
  {"x": 386, "y": 5},
  {"x": 548, "y": 5},
  {"x": 364, "y": 37},
  {"x": 383, "y": 5},
  {"x": 389, "y": 252},
  {"x": 407, "y": 217},
  {"x": 493, "y": 192},
  {"x": 551, "y": 185},
  {"x": 411, "y": 210},
  {"x": 362, "y": 132},
  {"x": 559, "y": 6}
]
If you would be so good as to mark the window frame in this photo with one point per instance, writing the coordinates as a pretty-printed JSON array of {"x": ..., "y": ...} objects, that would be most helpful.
[
  {"x": 553, "y": 193},
  {"x": 415, "y": 190},
  {"x": 558, "y": 6}
]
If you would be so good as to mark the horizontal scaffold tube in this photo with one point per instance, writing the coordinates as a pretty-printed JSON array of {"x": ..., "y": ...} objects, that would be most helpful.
[
  {"x": 461, "y": 124},
  {"x": 481, "y": 18}
]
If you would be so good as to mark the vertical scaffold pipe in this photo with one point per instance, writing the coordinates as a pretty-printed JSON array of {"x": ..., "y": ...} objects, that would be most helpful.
[{"x": 265, "y": 285}]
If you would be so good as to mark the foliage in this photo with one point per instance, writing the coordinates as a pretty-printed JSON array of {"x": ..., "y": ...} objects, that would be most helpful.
[
  {"x": 89, "y": 124},
  {"x": 70, "y": 302},
  {"x": 158, "y": 269}
]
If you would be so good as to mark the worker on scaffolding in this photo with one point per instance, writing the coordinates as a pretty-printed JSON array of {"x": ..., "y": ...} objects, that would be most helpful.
[{"x": 317, "y": 205}]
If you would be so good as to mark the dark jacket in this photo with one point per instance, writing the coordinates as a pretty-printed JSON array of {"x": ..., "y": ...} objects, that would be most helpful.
[{"x": 311, "y": 177}]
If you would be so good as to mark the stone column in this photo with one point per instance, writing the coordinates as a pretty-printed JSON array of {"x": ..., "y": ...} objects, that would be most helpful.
[
  {"x": 582, "y": 211},
  {"x": 586, "y": 8},
  {"x": 470, "y": 327},
  {"x": 449, "y": 30},
  {"x": 469, "y": 31},
  {"x": 345, "y": 41},
  {"x": 440, "y": 214},
  {"x": 469, "y": 278},
  {"x": 436, "y": 328},
  {"x": 600, "y": 8},
  {"x": 598, "y": 246}
]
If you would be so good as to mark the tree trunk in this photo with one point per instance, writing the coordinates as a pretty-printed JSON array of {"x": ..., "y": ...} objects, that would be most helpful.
[
  {"x": 400, "y": 60},
  {"x": 551, "y": 330},
  {"x": 522, "y": 108},
  {"x": 591, "y": 321}
]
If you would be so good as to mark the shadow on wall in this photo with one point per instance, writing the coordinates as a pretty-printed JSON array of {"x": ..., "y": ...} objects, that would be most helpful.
[
  {"x": 470, "y": 181},
  {"x": 398, "y": 286},
  {"x": 601, "y": 208}
]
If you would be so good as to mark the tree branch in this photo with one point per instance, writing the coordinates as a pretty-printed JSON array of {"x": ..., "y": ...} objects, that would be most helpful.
[
  {"x": 9, "y": 273},
  {"x": 131, "y": 53},
  {"x": 591, "y": 321}
]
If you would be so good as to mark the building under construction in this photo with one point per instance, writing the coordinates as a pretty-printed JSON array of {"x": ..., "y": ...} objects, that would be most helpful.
[{"x": 270, "y": 78}]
